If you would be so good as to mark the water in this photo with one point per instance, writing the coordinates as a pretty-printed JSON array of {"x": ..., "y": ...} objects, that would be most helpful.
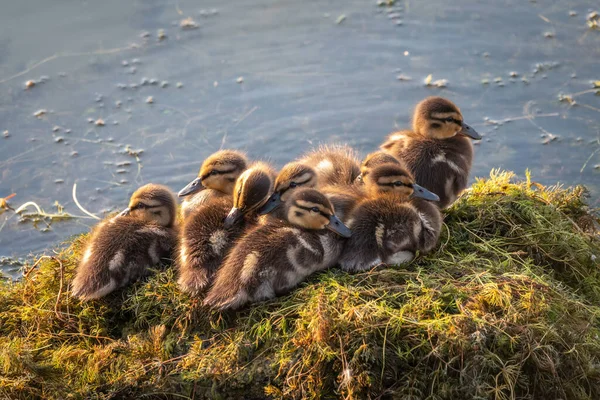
[{"x": 307, "y": 79}]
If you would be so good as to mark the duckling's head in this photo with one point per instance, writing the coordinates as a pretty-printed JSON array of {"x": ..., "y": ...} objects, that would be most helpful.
[
  {"x": 292, "y": 176},
  {"x": 218, "y": 172},
  {"x": 439, "y": 118},
  {"x": 394, "y": 179},
  {"x": 153, "y": 203},
  {"x": 252, "y": 190},
  {"x": 373, "y": 160},
  {"x": 310, "y": 209}
]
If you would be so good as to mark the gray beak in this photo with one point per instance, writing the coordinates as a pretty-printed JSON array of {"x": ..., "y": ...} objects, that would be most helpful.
[
  {"x": 420, "y": 191},
  {"x": 233, "y": 217},
  {"x": 470, "y": 132},
  {"x": 125, "y": 212},
  {"x": 192, "y": 187},
  {"x": 337, "y": 226},
  {"x": 271, "y": 204}
]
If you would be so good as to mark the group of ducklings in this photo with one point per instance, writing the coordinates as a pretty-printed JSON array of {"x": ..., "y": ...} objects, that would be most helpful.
[{"x": 246, "y": 233}]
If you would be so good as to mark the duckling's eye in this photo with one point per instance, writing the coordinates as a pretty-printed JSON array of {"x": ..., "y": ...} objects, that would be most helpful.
[
  {"x": 436, "y": 125},
  {"x": 213, "y": 172},
  {"x": 293, "y": 184},
  {"x": 398, "y": 183},
  {"x": 315, "y": 209},
  {"x": 449, "y": 119}
]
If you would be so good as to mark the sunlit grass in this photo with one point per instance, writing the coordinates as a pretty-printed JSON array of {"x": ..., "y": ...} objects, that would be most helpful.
[{"x": 507, "y": 307}]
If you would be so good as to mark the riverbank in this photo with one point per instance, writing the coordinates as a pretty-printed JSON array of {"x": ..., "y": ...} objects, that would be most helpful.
[{"x": 507, "y": 307}]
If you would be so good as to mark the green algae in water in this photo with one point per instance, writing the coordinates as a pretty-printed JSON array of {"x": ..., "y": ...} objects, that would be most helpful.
[{"x": 507, "y": 307}]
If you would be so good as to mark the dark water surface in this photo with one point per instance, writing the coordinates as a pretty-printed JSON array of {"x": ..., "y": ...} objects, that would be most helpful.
[{"x": 313, "y": 72}]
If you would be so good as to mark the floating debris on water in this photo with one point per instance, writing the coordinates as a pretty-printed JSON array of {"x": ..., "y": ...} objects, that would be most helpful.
[
  {"x": 145, "y": 34},
  {"x": 58, "y": 181},
  {"x": 179, "y": 85},
  {"x": 136, "y": 61},
  {"x": 99, "y": 122},
  {"x": 593, "y": 20},
  {"x": 340, "y": 19},
  {"x": 5, "y": 134},
  {"x": 67, "y": 131},
  {"x": 565, "y": 98},
  {"x": 132, "y": 70},
  {"x": 29, "y": 84},
  {"x": 40, "y": 113},
  {"x": 440, "y": 83},
  {"x": 513, "y": 74},
  {"x": 164, "y": 84},
  {"x": 215, "y": 84},
  {"x": 385, "y": 3},
  {"x": 549, "y": 35},
  {"x": 56, "y": 129},
  {"x": 161, "y": 35},
  {"x": 485, "y": 81},
  {"x": 74, "y": 154},
  {"x": 59, "y": 139},
  {"x": 188, "y": 23},
  {"x": 240, "y": 79},
  {"x": 121, "y": 171},
  {"x": 125, "y": 63},
  {"x": 498, "y": 79},
  {"x": 90, "y": 120},
  {"x": 403, "y": 77},
  {"x": 549, "y": 138},
  {"x": 118, "y": 103},
  {"x": 154, "y": 81},
  {"x": 123, "y": 164},
  {"x": 150, "y": 100},
  {"x": 572, "y": 13}
]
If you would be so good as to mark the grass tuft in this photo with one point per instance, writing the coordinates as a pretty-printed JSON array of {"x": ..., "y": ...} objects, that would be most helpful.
[{"x": 506, "y": 308}]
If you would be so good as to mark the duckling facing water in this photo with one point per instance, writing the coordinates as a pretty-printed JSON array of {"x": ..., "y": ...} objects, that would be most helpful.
[
  {"x": 438, "y": 150},
  {"x": 273, "y": 258},
  {"x": 216, "y": 179},
  {"x": 390, "y": 226},
  {"x": 123, "y": 248},
  {"x": 210, "y": 231}
]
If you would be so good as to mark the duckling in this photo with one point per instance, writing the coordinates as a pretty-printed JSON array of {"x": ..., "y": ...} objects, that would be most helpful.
[
  {"x": 335, "y": 165},
  {"x": 273, "y": 258},
  {"x": 123, "y": 248},
  {"x": 210, "y": 231},
  {"x": 216, "y": 179},
  {"x": 438, "y": 150},
  {"x": 371, "y": 161},
  {"x": 292, "y": 176},
  {"x": 393, "y": 223}
]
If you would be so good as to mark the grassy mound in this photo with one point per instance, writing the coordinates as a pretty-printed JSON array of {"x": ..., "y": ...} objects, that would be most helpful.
[{"x": 505, "y": 308}]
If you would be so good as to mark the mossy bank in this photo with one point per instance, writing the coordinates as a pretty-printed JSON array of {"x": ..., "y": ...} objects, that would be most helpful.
[{"x": 506, "y": 308}]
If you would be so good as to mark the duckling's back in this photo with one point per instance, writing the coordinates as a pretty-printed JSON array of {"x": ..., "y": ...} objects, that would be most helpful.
[
  {"x": 269, "y": 261},
  {"x": 204, "y": 242},
  {"x": 441, "y": 166},
  {"x": 335, "y": 165},
  {"x": 119, "y": 251}
]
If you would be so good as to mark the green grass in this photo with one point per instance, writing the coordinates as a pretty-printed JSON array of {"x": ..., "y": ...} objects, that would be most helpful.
[{"x": 506, "y": 308}]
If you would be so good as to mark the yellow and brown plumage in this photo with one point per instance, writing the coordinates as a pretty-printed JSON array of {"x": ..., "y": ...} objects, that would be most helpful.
[
  {"x": 216, "y": 179},
  {"x": 438, "y": 151},
  {"x": 394, "y": 222},
  {"x": 334, "y": 164},
  {"x": 122, "y": 249},
  {"x": 209, "y": 231},
  {"x": 273, "y": 258}
]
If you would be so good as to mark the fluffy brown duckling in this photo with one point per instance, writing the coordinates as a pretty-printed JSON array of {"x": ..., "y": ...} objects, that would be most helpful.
[
  {"x": 216, "y": 179},
  {"x": 123, "y": 248},
  {"x": 293, "y": 176},
  {"x": 438, "y": 151},
  {"x": 393, "y": 223},
  {"x": 210, "y": 231},
  {"x": 373, "y": 160},
  {"x": 272, "y": 259},
  {"x": 335, "y": 165}
]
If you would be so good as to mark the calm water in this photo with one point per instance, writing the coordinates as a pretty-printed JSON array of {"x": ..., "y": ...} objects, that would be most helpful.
[{"x": 313, "y": 72}]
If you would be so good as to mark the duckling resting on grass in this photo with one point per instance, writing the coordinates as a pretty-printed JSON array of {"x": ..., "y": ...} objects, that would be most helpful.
[
  {"x": 390, "y": 226},
  {"x": 216, "y": 179},
  {"x": 437, "y": 151},
  {"x": 273, "y": 258},
  {"x": 210, "y": 231},
  {"x": 123, "y": 248}
]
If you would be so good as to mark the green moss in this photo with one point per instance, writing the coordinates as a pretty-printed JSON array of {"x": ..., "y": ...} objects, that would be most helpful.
[{"x": 505, "y": 308}]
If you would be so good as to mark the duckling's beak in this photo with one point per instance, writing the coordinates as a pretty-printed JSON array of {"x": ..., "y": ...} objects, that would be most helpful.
[
  {"x": 233, "y": 217},
  {"x": 271, "y": 204},
  {"x": 470, "y": 132},
  {"x": 125, "y": 212},
  {"x": 192, "y": 187},
  {"x": 337, "y": 226},
  {"x": 420, "y": 191}
]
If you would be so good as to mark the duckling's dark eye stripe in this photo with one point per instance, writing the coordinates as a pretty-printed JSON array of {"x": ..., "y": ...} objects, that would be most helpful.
[
  {"x": 141, "y": 206},
  {"x": 449, "y": 119},
  {"x": 310, "y": 209},
  {"x": 217, "y": 172}
]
